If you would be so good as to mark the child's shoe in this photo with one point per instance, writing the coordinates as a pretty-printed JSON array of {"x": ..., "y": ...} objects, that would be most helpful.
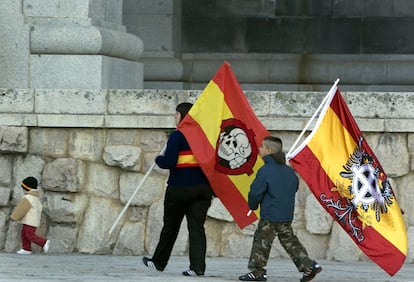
[
  {"x": 310, "y": 273},
  {"x": 23, "y": 252},
  {"x": 46, "y": 246},
  {"x": 252, "y": 276}
]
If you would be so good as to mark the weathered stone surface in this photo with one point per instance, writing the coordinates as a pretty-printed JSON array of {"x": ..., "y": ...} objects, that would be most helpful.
[
  {"x": 13, "y": 242},
  {"x": 341, "y": 247},
  {"x": 131, "y": 240},
  {"x": 65, "y": 207},
  {"x": 93, "y": 233},
  {"x": 49, "y": 142},
  {"x": 64, "y": 175},
  {"x": 406, "y": 198},
  {"x": 234, "y": 243},
  {"x": 4, "y": 196},
  {"x": 150, "y": 191},
  {"x": 13, "y": 139},
  {"x": 318, "y": 221},
  {"x": 6, "y": 163},
  {"x": 125, "y": 157},
  {"x": 4, "y": 216},
  {"x": 410, "y": 255},
  {"x": 63, "y": 238},
  {"x": 86, "y": 144},
  {"x": 391, "y": 150},
  {"x": 102, "y": 180}
]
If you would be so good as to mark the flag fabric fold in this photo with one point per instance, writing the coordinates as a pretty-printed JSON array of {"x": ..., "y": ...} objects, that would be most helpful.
[
  {"x": 224, "y": 134},
  {"x": 347, "y": 179}
]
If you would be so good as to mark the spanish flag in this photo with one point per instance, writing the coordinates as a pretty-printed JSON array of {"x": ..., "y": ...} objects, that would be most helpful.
[
  {"x": 347, "y": 179},
  {"x": 225, "y": 135}
]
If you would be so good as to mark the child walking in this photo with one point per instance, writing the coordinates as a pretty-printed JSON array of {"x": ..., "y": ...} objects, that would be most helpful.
[
  {"x": 28, "y": 211},
  {"x": 274, "y": 189}
]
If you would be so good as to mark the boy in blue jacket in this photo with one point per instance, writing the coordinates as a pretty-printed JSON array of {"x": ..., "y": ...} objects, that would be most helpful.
[{"x": 274, "y": 189}]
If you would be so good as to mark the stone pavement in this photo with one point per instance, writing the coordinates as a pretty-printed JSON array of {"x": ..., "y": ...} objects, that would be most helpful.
[{"x": 78, "y": 267}]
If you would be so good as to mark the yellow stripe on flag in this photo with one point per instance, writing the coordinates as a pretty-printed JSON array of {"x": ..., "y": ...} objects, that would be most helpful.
[{"x": 210, "y": 121}]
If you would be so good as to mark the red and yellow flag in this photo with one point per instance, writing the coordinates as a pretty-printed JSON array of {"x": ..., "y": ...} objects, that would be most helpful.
[
  {"x": 346, "y": 177},
  {"x": 224, "y": 135}
]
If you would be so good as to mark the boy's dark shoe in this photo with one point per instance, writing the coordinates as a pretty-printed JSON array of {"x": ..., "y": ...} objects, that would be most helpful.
[
  {"x": 310, "y": 273},
  {"x": 151, "y": 264},
  {"x": 191, "y": 272},
  {"x": 252, "y": 276}
]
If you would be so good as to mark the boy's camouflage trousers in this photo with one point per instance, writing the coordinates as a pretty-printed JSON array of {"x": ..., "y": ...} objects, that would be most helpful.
[{"x": 262, "y": 242}]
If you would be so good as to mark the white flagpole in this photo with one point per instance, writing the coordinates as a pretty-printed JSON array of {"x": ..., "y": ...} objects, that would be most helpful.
[
  {"x": 133, "y": 195},
  {"x": 312, "y": 118}
]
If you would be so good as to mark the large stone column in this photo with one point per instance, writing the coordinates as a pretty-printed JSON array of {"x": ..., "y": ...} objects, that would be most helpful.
[{"x": 70, "y": 44}]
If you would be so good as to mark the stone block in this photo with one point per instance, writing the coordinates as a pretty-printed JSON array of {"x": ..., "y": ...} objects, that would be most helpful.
[
  {"x": 92, "y": 101},
  {"x": 48, "y": 142},
  {"x": 410, "y": 255},
  {"x": 391, "y": 149},
  {"x": 93, "y": 237},
  {"x": 341, "y": 246},
  {"x": 85, "y": 72},
  {"x": 13, "y": 242},
  {"x": 15, "y": 46},
  {"x": 6, "y": 163},
  {"x": 131, "y": 240},
  {"x": 63, "y": 239},
  {"x": 136, "y": 101},
  {"x": 56, "y": 8},
  {"x": 64, "y": 175},
  {"x": 102, "y": 180},
  {"x": 16, "y": 101},
  {"x": 318, "y": 221},
  {"x": 13, "y": 139},
  {"x": 65, "y": 208},
  {"x": 69, "y": 120},
  {"x": 149, "y": 190},
  {"x": 18, "y": 120},
  {"x": 406, "y": 197},
  {"x": 4, "y": 216},
  {"x": 124, "y": 156},
  {"x": 86, "y": 144},
  {"x": 4, "y": 196}
]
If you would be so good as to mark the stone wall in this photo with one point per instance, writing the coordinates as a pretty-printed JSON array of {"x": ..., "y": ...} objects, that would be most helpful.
[{"x": 91, "y": 148}]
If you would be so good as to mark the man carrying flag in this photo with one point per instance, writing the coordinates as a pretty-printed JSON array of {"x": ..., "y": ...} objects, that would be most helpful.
[
  {"x": 223, "y": 133},
  {"x": 347, "y": 179}
]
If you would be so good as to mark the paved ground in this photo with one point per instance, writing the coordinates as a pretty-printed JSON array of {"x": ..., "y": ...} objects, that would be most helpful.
[{"x": 50, "y": 267}]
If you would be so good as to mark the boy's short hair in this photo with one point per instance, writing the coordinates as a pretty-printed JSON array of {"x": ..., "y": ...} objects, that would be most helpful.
[{"x": 273, "y": 143}]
